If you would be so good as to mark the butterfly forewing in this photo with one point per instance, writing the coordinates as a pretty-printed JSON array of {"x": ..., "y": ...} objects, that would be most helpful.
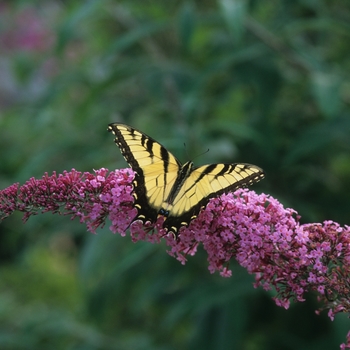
[
  {"x": 156, "y": 169},
  {"x": 211, "y": 180}
]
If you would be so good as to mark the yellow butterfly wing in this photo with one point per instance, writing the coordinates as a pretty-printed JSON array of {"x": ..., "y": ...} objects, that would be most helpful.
[
  {"x": 206, "y": 182},
  {"x": 156, "y": 169}
]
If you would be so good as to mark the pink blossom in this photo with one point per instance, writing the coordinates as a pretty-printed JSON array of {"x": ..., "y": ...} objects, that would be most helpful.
[{"x": 26, "y": 30}]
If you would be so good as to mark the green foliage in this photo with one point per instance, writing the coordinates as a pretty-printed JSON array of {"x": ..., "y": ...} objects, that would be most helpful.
[{"x": 259, "y": 82}]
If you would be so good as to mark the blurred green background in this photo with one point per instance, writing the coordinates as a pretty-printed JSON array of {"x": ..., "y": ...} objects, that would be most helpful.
[{"x": 264, "y": 82}]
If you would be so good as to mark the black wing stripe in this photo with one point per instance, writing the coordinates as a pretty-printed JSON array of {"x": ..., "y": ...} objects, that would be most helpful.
[
  {"x": 149, "y": 146},
  {"x": 143, "y": 139},
  {"x": 165, "y": 156},
  {"x": 205, "y": 172},
  {"x": 224, "y": 170}
]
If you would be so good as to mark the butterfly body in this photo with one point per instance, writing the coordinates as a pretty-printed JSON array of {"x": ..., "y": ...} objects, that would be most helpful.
[{"x": 165, "y": 187}]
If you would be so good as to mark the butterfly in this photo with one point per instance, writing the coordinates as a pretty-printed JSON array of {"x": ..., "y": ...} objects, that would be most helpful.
[{"x": 162, "y": 186}]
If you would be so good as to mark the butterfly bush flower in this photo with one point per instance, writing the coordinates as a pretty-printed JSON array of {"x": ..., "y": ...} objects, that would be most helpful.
[
  {"x": 256, "y": 230},
  {"x": 90, "y": 197}
]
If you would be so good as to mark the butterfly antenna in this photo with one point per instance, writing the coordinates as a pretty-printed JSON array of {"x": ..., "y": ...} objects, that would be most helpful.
[
  {"x": 198, "y": 155},
  {"x": 187, "y": 156}
]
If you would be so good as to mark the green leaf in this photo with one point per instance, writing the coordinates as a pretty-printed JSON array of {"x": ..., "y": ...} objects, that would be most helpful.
[
  {"x": 326, "y": 90},
  {"x": 134, "y": 35},
  {"x": 234, "y": 12},
  {"x": 68, "y": 29},
  {"x": 186, "y": 24}
]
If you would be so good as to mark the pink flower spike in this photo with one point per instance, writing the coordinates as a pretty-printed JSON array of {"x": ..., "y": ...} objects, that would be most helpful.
[{"x": 256, "y": 230}]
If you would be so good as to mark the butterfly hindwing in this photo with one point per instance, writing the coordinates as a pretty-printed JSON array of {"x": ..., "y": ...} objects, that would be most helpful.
[{"x": 162, "y": 186}]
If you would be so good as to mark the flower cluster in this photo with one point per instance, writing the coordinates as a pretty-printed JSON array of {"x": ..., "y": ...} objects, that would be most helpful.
[
  {"x": 91, "y": 197},
  {"x": 24, "y": 30},
  {"x": 256, "y": 230}
]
